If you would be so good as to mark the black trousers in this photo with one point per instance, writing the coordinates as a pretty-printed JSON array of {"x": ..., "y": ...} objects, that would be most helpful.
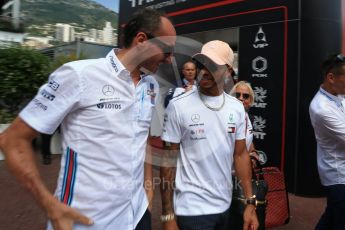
[
  {"x": 145, "y": 222},
  {"x": 204, "y": 222},
  {"x": 334, "y": 216}
]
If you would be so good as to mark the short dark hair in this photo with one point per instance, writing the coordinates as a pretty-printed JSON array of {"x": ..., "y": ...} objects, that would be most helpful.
[
  {"x": 189, "y": 61},
  {"x": 145, "y": 20},
  {"x": 333, "y": 64}
]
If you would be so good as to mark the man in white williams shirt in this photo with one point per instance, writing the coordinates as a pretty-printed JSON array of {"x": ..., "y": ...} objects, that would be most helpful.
[
  {"x": 327, "y": 115},
  {"x": 105, "y": 108}
]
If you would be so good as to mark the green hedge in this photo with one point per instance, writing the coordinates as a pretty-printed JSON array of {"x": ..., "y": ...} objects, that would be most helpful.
[{"x": 22, "y": 72}]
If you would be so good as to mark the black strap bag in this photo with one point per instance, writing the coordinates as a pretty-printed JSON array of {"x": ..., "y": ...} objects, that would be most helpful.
[{"x": 260, "y": 188}]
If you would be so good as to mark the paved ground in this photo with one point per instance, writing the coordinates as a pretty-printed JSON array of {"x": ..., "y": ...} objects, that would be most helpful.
[{"x": 18, "y": 210}]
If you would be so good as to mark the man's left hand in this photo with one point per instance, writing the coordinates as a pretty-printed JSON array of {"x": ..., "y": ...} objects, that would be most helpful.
[{"x": 250, "y": 220}]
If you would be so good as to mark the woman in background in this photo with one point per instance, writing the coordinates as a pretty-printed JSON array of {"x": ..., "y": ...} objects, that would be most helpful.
[{"x": 244, "y": 92}]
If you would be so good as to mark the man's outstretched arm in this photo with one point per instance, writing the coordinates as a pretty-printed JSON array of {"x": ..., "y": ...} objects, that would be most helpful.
[{"x": 16, "y": 144}]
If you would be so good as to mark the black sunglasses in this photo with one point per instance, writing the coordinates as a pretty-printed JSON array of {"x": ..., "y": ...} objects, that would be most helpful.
[
  {"x": 340, "y": 58},
  {"x": 245, "y": 96},
  {"x": 167, "y": 50}
]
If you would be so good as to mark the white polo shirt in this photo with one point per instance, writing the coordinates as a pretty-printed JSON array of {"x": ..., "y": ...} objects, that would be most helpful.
[
  {"x": 181, "y": 90},
  {"x": 105, "y": 122},
  {"x": 207, "y": 141},
  {"x": 327, "y": 116}
]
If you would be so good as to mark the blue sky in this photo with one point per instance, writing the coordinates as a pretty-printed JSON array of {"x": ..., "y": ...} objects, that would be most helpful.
[{"x": 111, "y": 4}]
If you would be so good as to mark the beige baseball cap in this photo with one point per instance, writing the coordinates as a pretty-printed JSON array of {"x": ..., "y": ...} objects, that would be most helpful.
[{"x": 217, "y": 51}]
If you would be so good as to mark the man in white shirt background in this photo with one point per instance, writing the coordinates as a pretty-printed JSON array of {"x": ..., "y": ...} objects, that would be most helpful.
[
  {"x": 327, "y": 115},
  {"x": 204, "y": 129},
  {"x": 105, "y": 108}
]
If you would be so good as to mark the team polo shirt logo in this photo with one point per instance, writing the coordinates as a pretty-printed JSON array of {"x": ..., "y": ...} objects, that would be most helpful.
[
  {"x": 231, "y": 129},
  {"x": 197, "y": 133},
  {"x": 38, "y": 104},
  {"x": 197, "y": 130},
  {"x": 113, "y": 64},
  {"x": 108, "y": 90},
  {"x": 69, "y": 176},
  {"x": 151, "y": 93},
  {"x": 231, "y": 117},
  {"x": 108, "y": 105},
  {"x": 47, "y": 95},
  {"x": 53, "y": 85},
  {"x": 109, "y": 101},
  {"x": 195, "y": 118},
  {"x": 231, "y": 125}
]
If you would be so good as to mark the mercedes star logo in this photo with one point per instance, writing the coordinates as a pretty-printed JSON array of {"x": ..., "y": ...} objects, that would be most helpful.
[
  {"x": 195, "y": 118},
  {"x": 108, "y": 90}
]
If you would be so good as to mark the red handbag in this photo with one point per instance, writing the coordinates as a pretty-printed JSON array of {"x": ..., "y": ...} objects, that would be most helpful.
[{"x": 277, "y": 210}]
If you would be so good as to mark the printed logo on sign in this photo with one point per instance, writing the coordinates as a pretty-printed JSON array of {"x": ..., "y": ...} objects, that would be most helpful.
[
  {"x": 153, "y": 5},
  {"x": 259, "y": 124},
  {"x": 260, "y": 39},
  {"x": 53, "y": 84},
  {"x": 136, "y": 3},
  {"x": 260, "y": 96},
  {"x": 195, "y": 118},
  {"x": 47, "y": 95},
  {"x": 259, "y": 65},
  {"x": 108, "y": 90},
  {"x": 106, "y": 105}
]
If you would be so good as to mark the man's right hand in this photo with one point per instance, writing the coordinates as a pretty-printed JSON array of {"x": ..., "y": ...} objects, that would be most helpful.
[
  {"x": 170, "y": 225},
  {"x": 16, "y": 144},
  {"x": 64, "y": 217}
]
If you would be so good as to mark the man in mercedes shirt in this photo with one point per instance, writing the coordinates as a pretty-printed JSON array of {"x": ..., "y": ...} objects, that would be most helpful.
[{"x": 205, "y": 130}]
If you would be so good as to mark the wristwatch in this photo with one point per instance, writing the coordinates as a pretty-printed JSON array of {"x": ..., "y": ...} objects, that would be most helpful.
[
  {"x": 168, "y": 217},
  {"x": 251, "y": 200}
]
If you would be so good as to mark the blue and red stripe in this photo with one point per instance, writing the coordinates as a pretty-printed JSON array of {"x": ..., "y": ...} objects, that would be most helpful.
[
  {"x": 69, "y": 176},
  {"x": 153, "y": 95}
]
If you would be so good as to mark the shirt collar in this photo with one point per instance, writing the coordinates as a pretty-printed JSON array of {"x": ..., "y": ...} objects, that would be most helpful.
[
  {"x": 115, "y": 63},
  {"x": 118, "y": 67},
  {"x": 336, "y": 99}
]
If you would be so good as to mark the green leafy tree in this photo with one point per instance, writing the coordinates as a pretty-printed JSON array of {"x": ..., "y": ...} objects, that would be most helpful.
[{"x": 22, "y": 72}]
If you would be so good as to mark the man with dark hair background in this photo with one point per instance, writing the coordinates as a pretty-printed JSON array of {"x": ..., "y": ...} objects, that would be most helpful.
[
  {"x": 327, "y": 115},
  {"x": 105, "y": 108}
]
